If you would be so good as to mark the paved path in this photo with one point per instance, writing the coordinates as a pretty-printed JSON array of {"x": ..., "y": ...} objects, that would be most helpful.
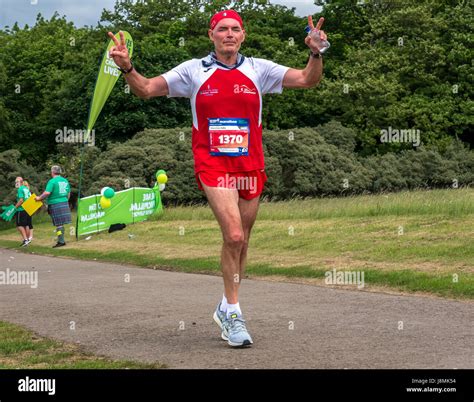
[{"x": 141, "y": 319}]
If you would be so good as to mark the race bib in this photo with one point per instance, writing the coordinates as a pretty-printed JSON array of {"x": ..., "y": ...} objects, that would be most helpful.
[{"x": 229, "y": 136}]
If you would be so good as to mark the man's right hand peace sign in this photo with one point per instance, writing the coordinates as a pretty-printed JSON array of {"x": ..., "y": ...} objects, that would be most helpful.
[
  {"x": 313, "y": 41},
  {"x": 119, "y": 52}
]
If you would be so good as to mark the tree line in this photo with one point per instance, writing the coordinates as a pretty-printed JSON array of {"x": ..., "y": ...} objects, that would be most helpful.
[{"x": 393, "y": 66}]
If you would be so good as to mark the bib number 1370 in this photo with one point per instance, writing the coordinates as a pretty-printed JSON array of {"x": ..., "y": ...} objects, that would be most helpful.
[
  {"x": 229, "y": 136},
  {"x": 231, "y": 139}
]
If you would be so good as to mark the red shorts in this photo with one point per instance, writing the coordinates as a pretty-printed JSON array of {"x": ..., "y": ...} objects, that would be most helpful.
[{"x": 249, "y": 184}]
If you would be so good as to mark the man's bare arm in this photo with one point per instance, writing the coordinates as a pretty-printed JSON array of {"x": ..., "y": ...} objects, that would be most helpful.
[
  {"x": 42, "y": 196},
  {"x": 307, "y": 78},
  {"x": 143, "y": 87},
  {"x": 146, "y": 88},
  {"x": 312, "y": 74}
]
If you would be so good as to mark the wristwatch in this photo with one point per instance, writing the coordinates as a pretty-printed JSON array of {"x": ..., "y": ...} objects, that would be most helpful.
[
  {"x": 127, "y": 71},
  {"x": 315, "y": 55}
]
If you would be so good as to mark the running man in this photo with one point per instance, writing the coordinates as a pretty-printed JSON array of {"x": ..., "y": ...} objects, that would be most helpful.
[
  {"x": 225, "y": 90},
  {"x": 57, "y": 194},
  {"x": 23, "y": 220}
]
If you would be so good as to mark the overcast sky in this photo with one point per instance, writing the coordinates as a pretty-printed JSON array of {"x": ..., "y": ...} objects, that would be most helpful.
[{"x": 87, "y": 12}]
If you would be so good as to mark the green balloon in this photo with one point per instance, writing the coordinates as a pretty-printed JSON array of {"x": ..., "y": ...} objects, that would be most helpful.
[
  {"x": 109, "y": 192},
  {"x": 161, "y": 171}
]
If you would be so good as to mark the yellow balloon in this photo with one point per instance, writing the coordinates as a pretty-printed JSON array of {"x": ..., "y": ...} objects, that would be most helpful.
[
  {"x": 105, "y": 202},
  {"x": 162, "y": 179}
]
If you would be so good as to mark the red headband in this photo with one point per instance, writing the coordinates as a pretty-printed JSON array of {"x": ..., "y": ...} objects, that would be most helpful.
[{"x": 226, "y": 14}]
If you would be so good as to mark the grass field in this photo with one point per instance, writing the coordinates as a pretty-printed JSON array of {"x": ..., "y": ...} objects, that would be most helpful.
[
  {"x": 20, "y": 348},
  {"x": 421, "y": 241}
]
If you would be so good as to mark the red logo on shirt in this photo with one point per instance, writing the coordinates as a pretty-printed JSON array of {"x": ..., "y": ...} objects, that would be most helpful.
[{"x": 244, "y": 89}]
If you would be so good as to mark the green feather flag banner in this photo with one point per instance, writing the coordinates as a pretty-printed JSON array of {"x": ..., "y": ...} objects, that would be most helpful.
[{"x": 106, "y": 79}]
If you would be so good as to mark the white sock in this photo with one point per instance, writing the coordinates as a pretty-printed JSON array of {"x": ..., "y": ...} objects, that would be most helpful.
[
  {"x": 224, "y": 304},
  {"x": 233, "y": 308}
]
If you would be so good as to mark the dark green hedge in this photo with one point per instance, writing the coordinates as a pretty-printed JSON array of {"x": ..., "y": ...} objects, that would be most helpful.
[{"x": 306, "y": 162}]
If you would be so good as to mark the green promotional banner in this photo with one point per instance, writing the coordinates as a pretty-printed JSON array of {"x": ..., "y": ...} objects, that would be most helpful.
[
  {"x": 128, "y": 206},
  {"x": 106, "y": 79}
]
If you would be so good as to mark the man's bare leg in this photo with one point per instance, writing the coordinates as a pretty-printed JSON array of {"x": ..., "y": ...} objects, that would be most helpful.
[
  {"x": 225, "y": 205},
  {"x": 248, "y": 213},
  {"x": 228, "y": 210},
  {"x": 22, "y": 231}
]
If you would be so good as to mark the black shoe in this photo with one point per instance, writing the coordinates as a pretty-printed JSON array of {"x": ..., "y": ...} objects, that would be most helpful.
[
  {"x": 25, "y": 243},
  {"x": 58, "y": 244}
]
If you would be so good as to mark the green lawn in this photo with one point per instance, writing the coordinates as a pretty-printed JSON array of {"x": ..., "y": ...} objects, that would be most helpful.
[
  {"x": 419, "y": 241},
  {"x": 20, "y": 348}
]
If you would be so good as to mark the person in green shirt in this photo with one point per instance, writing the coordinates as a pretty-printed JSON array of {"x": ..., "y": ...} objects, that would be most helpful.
[
  {"x": 23, "y": 221},
  {"x": 57, "y": 194}
]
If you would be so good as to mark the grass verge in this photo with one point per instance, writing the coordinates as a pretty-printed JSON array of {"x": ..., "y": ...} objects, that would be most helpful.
[{"x": 21, "y": 348}]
